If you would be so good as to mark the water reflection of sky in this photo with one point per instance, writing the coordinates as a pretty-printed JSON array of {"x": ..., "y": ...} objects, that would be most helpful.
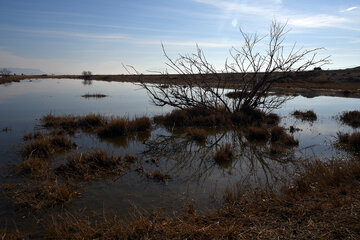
[{"x": 22, "y": 104}]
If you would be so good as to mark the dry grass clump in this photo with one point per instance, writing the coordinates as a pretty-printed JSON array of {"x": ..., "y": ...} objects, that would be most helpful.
[
  {"x": 67, "y": 122},
  {"x": 70, "y": 122},
  {"x": 194, "y": 117},
  {"x": 159, "y": 176},
  {"x": 351, "y": 118},
  {"x": 257, "y": 134},
  {"x": 196, "y": 134},
  {"x": 91, "y": 121},
  {"x": 278, "y": 134},
  {"x": 115, "y": 128},
  {"x": 96, "y": 123},
  {"x": 224, "y": 155},
  {"x": 350, "y": 140},
  {"x": 94, "y": 95},
  {"x": 93, "y": 165},
  {"x": 45, "y": 194},
  {"x": 34, "y": 167},
  {"x": 45, "y": 146},
  {"x": 323, "y": 202},
  {"x": 140, "y": 124},
  {"x": 305, "y": 116},
  {"x": 201, "y": 117},
  {"x": 122, "y": 127}
]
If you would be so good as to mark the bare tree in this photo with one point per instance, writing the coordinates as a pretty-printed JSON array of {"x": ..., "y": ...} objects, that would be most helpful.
[
  {"x": 5, "y": 72},
  {"x": 250, "y": 70},
  {"x": 86, "y": 75}
]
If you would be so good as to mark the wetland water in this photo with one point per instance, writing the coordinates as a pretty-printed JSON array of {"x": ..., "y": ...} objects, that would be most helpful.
[{"x": 195, "y": 177}]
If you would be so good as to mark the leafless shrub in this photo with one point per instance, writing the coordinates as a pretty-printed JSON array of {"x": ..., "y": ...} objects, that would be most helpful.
[{"x": 249, "y": 71}]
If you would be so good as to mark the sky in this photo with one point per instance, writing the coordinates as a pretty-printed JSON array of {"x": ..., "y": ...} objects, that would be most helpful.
[{"x": 67, "y": 36}]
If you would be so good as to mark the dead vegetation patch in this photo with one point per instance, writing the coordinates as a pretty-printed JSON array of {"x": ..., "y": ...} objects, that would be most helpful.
[
  {"x": 305, "y": 115},
  {"x": 200, "y": 117},
  {"x": 45, "y": 146},
  {"x": 34, "y": 167},
  {"x": 257, "y": 134},
  {"x": 94, "y": 95},
  {"x": 196, "y": 134},
  {"x": 321, "y": 203},
  {"x": 351, "y": 118},
  {"x": 45, "y": 194},
  {"x": 350, "y": 141},
  {"x": 93, "y": 165},
  {"x": 158, "y": 176},
  {"x": 224, "y": 155},
  {"x": 104, "y": 127}
]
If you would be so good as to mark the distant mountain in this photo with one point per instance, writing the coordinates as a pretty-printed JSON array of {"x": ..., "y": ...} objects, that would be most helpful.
[{"x": 25, "y": 71}]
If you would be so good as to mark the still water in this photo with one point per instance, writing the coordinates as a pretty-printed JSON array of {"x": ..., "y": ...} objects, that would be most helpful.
[{"x": 195, "y": 177}]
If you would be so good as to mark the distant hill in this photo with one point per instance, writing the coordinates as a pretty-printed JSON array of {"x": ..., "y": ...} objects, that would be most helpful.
[{"x": 25, "y": 71}]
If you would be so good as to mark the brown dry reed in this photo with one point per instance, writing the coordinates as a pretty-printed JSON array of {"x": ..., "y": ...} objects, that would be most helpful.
[
  {"x": 93, "y": 165},
  {"x": 201, "y": 117},
  {"x": 158, "y": 176},
  {"x": 45, "y": 194},
  {"x": 94, "y": 95},
  {"x": 351, "y": 118},
  {"x": 225, "y": 154},
  {"x": 258, "y": 134},
  {"x": 46, "y": 146},
  {"x": 105, "y": 127},
  {"x": 196, "y": 134},
  {"x": 305, "y": 115},
  {"x": 322, "y": 202},
  {"x": 351, "y": 141}
]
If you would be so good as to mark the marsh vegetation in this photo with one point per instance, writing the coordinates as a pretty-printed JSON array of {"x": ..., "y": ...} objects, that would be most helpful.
[{"x": 206, "y": 165}]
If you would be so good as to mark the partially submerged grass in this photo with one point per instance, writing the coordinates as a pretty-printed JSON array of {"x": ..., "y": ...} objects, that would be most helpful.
[
  {"x": 279, "y": 135},
  {"x": 305, "y": 115},
  {"x": 34, "y": 167},
  {"x": 94, "y": 95},
  {"x": 258, "y": 134},
  {"x": 201, "y": 117},
  {"x": 46, "y": 146},
  {"x": 48, "y": 193},
  {"x": 159, "y": 176},
  {"x": 93, "y": 165},
  {"x": 351, "y": 118},
  {"x": 105, "y": 127},
  {"x": 322, "y": 202},
  {"x": 224, "y": 155},
  {"x": 196, "y": 134},
  {"x": 351, "y": 141},
  {"x": 123, "y": 127}
]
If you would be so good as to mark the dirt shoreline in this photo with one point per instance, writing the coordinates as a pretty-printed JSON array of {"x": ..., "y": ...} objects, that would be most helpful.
[{"x": 341, "y": 83}]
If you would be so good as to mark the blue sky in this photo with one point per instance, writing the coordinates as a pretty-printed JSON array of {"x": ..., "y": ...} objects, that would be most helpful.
[{"x": 70, "y": 36}]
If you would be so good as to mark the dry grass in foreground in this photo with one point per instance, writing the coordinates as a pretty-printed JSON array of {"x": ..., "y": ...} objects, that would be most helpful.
[
  {"x": 322, "y": 203},
  {"x": 45, "y": 194}
]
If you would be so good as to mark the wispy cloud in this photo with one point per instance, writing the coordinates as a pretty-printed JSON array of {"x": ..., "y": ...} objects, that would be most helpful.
[
  {"x": 318, "y": 21},
  {"x": 350, "y": 9},
  {"x": 65, "y": 33},
  {"x": 273, "y": 10}
]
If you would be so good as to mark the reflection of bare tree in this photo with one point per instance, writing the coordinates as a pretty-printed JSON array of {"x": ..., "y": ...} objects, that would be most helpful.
[
  {"x": 87, "y": 82},
  {"x": 192, "y": 161}
]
